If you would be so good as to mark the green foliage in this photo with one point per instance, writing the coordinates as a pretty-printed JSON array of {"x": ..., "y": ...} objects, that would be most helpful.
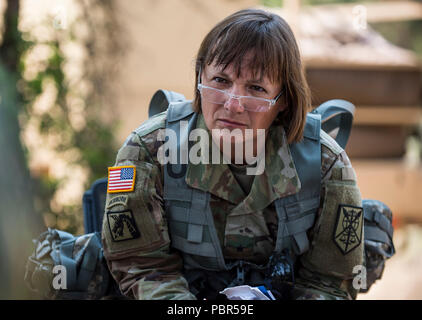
[
  {"x": 90, "y": 145},
  {"x": 406, "y": 34},
  {"x": 99, "y": 152}
]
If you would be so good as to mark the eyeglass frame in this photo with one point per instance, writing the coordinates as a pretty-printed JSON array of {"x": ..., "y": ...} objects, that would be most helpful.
[{"x": 272, "y": 102}]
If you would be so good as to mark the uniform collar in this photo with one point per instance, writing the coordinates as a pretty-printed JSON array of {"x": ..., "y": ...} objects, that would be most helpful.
[
  {"x": 280, "y": 177},
  {"x": 278, "y": 180}
]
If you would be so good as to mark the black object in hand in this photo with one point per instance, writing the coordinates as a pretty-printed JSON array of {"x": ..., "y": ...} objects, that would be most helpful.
[{"x": 281, "y": 274}]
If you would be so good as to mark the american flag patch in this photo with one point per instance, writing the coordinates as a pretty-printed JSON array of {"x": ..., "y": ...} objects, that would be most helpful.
[{"x": 121, "y": 179}]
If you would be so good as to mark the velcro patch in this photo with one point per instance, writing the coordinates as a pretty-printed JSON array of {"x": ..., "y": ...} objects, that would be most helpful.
[
  {"x": 122, "y": 225},
  {"x": 348, "y": 229},
  {"x": 121, "y": 179},
  {"x": 117, "y": 199},
  {"x": 128, "y": 152}
]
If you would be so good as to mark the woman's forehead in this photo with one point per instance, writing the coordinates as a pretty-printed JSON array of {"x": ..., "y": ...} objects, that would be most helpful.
[{"x": 246, "y": 71}]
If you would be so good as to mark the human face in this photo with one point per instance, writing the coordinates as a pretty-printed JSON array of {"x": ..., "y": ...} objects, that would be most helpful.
[{"x": 231, "y": 115}]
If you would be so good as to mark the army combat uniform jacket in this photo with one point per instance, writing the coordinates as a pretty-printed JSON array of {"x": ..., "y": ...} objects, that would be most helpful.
[{"x": 137, "y": 240}]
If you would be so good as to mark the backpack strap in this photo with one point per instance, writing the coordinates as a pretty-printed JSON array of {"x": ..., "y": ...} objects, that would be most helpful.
[
  {"x": 89, "y": 262},
  {"x": 339, "y": 114},
  {"x": 296, "y": 213},
  {"x": 161, "y": 100},
  {"x": 178, "y": 111},
  {"x": 188, "y": 211}
]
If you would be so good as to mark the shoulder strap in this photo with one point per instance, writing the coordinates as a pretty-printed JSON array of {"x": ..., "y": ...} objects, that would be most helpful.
[
  {"x": 307, "y": 156},
  {"x": 161, "y": 100},
  {"x": 339, "y": 114},
  {"x": 296, "y": 213},
  {"x": 192, "y": 226},
  {"x": 178, "y": 110}
]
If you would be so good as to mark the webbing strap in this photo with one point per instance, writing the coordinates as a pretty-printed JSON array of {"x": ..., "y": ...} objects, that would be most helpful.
[
  {"x": 197, "y": 216},
  {"x": 296, "y": 213},
  {"x": 89, "y": 262},
  {"x": 297, "y": 229},
  {"x": 381, "y": 220},
  {"x": 302, "y": 206},
  {"x": 300, "y": 225},
  {"x": 376, "y": 234},
  {"x": 205, "y": 249},
  {"x": 66, "y": 254},
  {"x": 161, "y": 99},
  {"x": 195, "y": 232},
  {"x": 339, "y": 114},
  {"x": 301, "y": 241}
]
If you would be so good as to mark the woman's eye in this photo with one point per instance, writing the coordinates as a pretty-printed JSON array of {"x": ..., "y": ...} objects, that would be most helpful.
[
  {"x": 220, "y": 80},
  {"x": 258, "y": 89}
]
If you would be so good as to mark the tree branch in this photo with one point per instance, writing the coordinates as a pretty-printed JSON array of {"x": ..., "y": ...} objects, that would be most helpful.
[{"x": 8, "y": 53}]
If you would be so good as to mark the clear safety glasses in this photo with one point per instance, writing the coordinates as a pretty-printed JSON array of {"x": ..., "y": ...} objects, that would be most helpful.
[{"x": 249, "y": 103}]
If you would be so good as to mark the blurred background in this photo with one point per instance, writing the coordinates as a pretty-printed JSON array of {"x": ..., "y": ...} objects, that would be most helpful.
[{"x": 76, "y": 76}]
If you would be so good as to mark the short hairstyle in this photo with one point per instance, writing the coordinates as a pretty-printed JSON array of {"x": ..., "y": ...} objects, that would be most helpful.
[{"x": 275, "y": 55}]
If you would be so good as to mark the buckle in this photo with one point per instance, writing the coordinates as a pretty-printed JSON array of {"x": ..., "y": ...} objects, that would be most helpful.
[{"x": 240, "y": 279}]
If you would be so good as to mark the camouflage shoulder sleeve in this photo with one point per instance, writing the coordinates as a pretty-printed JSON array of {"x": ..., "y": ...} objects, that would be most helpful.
[
  {"x": 135, "y": 233},
  {"x": 336, "y": 247}
]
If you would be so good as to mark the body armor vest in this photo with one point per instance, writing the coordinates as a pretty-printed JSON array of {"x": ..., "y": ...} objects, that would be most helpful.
[{"x": 188, "y": 211}]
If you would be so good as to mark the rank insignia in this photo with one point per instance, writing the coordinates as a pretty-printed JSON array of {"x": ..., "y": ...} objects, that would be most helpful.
[
  {"x": 122, "y": 225},
  {"x": 348, "y": 229}
]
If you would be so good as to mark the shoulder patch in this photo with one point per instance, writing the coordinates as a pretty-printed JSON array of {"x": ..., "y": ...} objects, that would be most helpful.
[
  {"x": 330, "y": 143},
  {"x": 122, "y": 225},
  {"x": 121, "y": 179},
  {"x": 348, "y": 229},
  {"x": 154, "y": 123}
]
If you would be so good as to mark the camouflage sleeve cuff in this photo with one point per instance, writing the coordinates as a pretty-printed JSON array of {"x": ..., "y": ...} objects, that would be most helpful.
[
  {"x": 306, "y": 293},
  {"x": 311, "y": 285},
  {"x": 177, "y": 289}
]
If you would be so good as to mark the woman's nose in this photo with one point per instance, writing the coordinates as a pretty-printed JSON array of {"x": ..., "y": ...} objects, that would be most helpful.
[{"x": 233, "y": 103}]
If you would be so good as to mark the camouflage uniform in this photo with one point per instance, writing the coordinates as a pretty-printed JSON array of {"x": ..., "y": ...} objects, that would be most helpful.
[{"x": 146, "y": 267}]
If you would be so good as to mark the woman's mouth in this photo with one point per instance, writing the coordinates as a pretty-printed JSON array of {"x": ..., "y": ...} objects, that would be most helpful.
[{"x": 231, "y": 124}]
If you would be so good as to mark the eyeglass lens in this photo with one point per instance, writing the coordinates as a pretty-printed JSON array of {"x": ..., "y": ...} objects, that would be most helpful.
[{"x": 248, "y": 103}]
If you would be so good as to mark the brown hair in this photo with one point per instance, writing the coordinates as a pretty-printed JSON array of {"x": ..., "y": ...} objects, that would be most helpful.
[{"x": 276, "y": 55}]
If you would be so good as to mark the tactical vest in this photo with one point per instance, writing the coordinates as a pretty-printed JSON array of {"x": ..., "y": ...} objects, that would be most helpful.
[{"x": 188, "y": 211}]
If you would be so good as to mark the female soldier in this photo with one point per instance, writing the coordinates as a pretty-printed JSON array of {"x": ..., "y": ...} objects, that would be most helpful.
[{"x": 188, "y": 230}]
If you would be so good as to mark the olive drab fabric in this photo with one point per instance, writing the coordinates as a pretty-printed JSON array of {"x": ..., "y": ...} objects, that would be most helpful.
[{"x": 234, "y": 226}]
